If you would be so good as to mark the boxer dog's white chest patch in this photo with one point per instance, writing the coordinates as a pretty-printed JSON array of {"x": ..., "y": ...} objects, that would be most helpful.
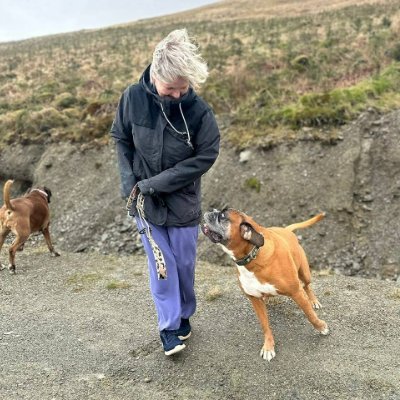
[
  {"x": 252, "y": 286},
  {"x": 227, "y": 251}
]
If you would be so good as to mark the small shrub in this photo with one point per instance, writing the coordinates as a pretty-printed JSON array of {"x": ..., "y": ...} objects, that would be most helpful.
[
  {"x": 45, "y": 119},
  {"x": 65, "y": 100},
  {"x": 254, "y": 184},
  {"x": 395, "y": 52},
  {"x": 301, "y": 62},
  {"x": 214, "y": 293}
]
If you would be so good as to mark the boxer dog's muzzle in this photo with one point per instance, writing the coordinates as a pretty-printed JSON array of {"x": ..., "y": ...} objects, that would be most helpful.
[
  {"x": 216, "y": 226},
  {"x": 219, "y": 225}
]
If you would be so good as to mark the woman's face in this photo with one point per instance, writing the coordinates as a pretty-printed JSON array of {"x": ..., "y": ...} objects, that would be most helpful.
[{"x": 175, "y": 89}]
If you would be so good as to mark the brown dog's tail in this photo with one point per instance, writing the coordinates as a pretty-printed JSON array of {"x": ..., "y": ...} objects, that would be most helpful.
[
  {"x": 6, "y": 194},
  {"x": 307, "y": 223}
]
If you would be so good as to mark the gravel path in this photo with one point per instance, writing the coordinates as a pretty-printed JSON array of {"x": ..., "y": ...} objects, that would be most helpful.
[{"x": 82, "y": 326}]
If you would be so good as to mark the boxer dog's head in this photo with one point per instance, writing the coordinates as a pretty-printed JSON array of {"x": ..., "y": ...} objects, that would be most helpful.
[{"x": 231, "y": 228}]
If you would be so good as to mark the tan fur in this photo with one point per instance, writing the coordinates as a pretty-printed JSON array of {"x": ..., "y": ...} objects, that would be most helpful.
[
  {"x": 6, "y": 194},
  {"x": 23, "y": 216},
  {"x": 281, "y": 262},
  {"x": 305, "y": 224}
]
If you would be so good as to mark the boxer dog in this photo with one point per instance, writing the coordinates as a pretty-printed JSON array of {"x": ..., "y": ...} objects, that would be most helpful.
[
  {"x": 23, "y": 216},
  {"x": 270, "y": 261}
]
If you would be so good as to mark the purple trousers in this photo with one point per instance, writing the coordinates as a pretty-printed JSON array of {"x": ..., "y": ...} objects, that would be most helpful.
[{"x": 174, "y": 297}]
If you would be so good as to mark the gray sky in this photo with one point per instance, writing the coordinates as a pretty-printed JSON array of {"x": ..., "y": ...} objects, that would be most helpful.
[{"x": 22, "y": 19}]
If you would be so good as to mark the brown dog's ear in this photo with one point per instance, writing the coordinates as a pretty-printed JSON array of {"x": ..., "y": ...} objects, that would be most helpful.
[
  {"x": 248, "y": 233},
  {"x": 48, "y": 192}
]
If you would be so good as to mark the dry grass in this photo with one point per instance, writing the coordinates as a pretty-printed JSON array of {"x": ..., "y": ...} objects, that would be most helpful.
[
  {"x": 395, "y": 295},
  {"x": 214, "y": 293},
  {"x": 266, "y": 9},
  {"x": 275, "y": 67}
]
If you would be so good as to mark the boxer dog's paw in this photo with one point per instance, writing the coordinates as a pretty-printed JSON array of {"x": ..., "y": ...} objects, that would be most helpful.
[
  {"x": 316, "y": 304},
  {"x": 267, "y": 354},
  {"x": 325, "y": 330}
]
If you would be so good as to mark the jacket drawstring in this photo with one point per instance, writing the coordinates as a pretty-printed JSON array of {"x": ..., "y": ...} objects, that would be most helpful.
[{"x": 189, "y": 143}]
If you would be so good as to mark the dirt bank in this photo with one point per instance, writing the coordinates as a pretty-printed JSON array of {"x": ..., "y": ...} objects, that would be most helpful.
[{"x": 356, "y": 181}]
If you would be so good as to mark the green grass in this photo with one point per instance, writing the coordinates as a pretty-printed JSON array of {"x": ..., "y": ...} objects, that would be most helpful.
[
  {"x": 253, "y": 183},
  {"x": 270, "y": 77},
  {"x": 115, "y": 284},
  {"x": 81, "y": 282}
]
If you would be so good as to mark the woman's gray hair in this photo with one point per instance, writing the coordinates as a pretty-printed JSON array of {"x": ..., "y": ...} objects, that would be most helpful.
[{"x": 176, "y": 56}]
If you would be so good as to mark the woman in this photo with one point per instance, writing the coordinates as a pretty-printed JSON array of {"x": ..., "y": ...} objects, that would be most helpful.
[{"x": 167, "y": 138}]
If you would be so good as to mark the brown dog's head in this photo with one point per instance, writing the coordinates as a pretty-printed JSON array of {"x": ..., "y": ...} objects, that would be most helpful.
[
  {"x": 48, "y": 192},
  {"x": 44, "y": 189},
  {"x": 231, "y": 228}
]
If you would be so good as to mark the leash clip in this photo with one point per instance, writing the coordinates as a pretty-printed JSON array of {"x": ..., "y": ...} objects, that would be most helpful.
[{"x": 143, "y": 231}]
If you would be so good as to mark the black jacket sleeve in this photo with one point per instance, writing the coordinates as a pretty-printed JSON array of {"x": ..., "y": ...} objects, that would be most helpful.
[
  {"x": 121, "y": 132},
  {"x": 206, "y": 145}
]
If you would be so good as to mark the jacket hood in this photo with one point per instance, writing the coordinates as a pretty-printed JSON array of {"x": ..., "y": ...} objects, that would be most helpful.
[{"x": 167, "y": 102}]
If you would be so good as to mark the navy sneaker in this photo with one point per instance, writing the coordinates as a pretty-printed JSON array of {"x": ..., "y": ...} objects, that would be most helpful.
[
  {"x": 171, "y": 343},
  {"x": 184, "y": 330}
]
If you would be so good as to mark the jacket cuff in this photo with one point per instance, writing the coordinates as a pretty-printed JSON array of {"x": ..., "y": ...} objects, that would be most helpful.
[{"x": 145, "y": 187}]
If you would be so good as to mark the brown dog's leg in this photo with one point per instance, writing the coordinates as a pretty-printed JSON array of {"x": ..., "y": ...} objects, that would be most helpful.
[
  {"x": 46, "y": 234},
  {"x": 267, "y": 351},
  {"x": 19, "y": 240},
  {"x": 304, "y": 303},
  {"x": 305, "y": 277},
  {"x": 3, "y": 236}
]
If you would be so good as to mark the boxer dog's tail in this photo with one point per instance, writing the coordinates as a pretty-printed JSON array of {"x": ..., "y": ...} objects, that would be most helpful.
[
  {"x": 307, "y": 223},
  {"x": 6, "y": 195}
]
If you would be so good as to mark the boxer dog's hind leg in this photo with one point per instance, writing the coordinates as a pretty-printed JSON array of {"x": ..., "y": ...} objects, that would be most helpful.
[
  {"x": 302, "y": 300},
  {"x": 305, "y": 277}
]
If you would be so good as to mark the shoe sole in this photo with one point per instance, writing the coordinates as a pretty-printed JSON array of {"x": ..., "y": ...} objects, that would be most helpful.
[
  {"x": 185, "y": 337},
  {"x": 175, "y": 350}
]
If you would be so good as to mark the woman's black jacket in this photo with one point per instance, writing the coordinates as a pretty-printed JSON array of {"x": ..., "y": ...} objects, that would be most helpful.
[{"x": 166, "y": 166}]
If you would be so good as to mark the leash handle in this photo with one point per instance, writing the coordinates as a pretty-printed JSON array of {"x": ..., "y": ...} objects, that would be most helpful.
[
  {"x": 132, "y": 197},
  {"x": 145, "y": 228}
]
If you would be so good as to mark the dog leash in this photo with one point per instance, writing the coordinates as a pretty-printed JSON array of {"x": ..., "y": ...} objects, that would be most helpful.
[{"x": 144, "y": 228}]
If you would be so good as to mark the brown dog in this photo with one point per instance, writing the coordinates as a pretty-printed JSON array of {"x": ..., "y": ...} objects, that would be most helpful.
[
  {"x": 23, "y": 216},
  {"x": 270, "y": 261}
]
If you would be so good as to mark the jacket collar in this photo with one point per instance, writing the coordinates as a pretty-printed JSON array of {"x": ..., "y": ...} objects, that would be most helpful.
[{"x": 167, "y": 102}]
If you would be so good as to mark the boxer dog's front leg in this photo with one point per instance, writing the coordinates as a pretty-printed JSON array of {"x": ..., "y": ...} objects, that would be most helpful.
[{"x": 267, "y": 351}]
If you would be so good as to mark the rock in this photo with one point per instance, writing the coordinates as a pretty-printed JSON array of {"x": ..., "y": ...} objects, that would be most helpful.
[
  {"x": 82, "y": 247},
  {"x": 244, "y": 156}
]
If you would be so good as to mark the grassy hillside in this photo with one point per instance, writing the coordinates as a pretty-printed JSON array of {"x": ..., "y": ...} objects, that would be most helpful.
[{"x": 278, "y": 70}]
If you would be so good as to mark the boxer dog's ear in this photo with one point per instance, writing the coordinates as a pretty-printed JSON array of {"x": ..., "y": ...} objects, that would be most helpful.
[{"x": 248, "y": 233}]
